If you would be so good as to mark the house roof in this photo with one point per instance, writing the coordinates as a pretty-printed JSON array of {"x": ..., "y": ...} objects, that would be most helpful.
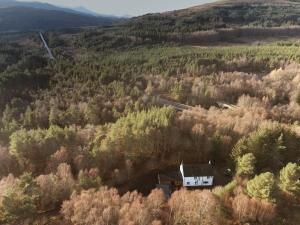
[
  {"x": 173, "y": 176},
  {"x": 195, "y": 170}
]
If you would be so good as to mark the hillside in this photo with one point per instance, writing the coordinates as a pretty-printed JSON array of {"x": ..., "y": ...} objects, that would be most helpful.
[
  {"x": 222, "y": 14},
  {"x": 37, "y": 5},
  {"x": 24, "y": 18},
  {"x": 232, "y": 21},
  {"x": 47, "y": 6}
]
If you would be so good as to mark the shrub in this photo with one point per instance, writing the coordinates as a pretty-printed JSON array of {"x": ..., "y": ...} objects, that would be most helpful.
[
  {"x": 247, "y": 209},
  {"x": 221, "y": 191},
  {"x": 193, "y": 207}
]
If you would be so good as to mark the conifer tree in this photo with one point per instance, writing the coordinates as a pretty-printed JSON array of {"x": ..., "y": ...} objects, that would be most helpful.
[
  {"x": 262, "y": 186},
  {"x": 246, "y": 165},
  {"x": 290, "y": 179}
]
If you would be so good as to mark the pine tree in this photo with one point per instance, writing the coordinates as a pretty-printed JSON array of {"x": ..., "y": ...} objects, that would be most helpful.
[
  {"x": 262, "y": 187},
  {"x": 28, "y": 118},
  {"x": 290, "y": 179},
  {"x": 7, "y": 116},
  {"x": 54, "y": 116},
  {"x": 246, "y": 165},
  {"x": 272, "y": 147}
]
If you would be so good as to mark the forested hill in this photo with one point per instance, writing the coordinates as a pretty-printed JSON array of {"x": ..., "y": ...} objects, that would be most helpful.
[
  {"x": 26, "y": 18},
  {"x": 234, "y": 21},
  {"x": 222, "y": 14}
]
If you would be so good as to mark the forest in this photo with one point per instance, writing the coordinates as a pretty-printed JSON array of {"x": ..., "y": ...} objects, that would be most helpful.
[{"x": 77, "y": 132}]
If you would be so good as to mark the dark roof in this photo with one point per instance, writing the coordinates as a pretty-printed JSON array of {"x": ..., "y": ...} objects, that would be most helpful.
[
  {"x": 194, "y": 170},
  {"x": 170, "y": 176}
]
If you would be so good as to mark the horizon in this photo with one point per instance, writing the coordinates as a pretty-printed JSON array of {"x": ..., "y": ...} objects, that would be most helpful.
[{"x": 128, "y": 8}]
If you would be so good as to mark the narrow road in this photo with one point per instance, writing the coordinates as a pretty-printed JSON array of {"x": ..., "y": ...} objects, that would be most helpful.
[
  {"x": 175, "y": 105},
  {"x": 46, "y": 46},
  {"x": 225, "y": 105},
  {"x": 181, "y": 107}
]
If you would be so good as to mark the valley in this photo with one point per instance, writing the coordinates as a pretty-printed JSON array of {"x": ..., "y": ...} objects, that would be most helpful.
[{"x": 85, "y": 138}]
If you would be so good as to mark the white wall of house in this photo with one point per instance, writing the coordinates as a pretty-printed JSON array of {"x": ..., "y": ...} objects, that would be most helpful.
[
  {"x": 198, "y": 181},
  {"x": 201, "y": 181}
]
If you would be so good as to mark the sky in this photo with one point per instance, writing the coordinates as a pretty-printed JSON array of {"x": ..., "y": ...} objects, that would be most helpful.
[{"x": 127, "y": 7}]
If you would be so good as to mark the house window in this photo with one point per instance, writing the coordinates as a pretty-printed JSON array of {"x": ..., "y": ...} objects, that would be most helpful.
[{"x": 188, "y": 183}]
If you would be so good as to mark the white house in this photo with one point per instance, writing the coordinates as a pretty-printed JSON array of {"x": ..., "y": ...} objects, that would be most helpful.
[{"x": 197, "y": 175}]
